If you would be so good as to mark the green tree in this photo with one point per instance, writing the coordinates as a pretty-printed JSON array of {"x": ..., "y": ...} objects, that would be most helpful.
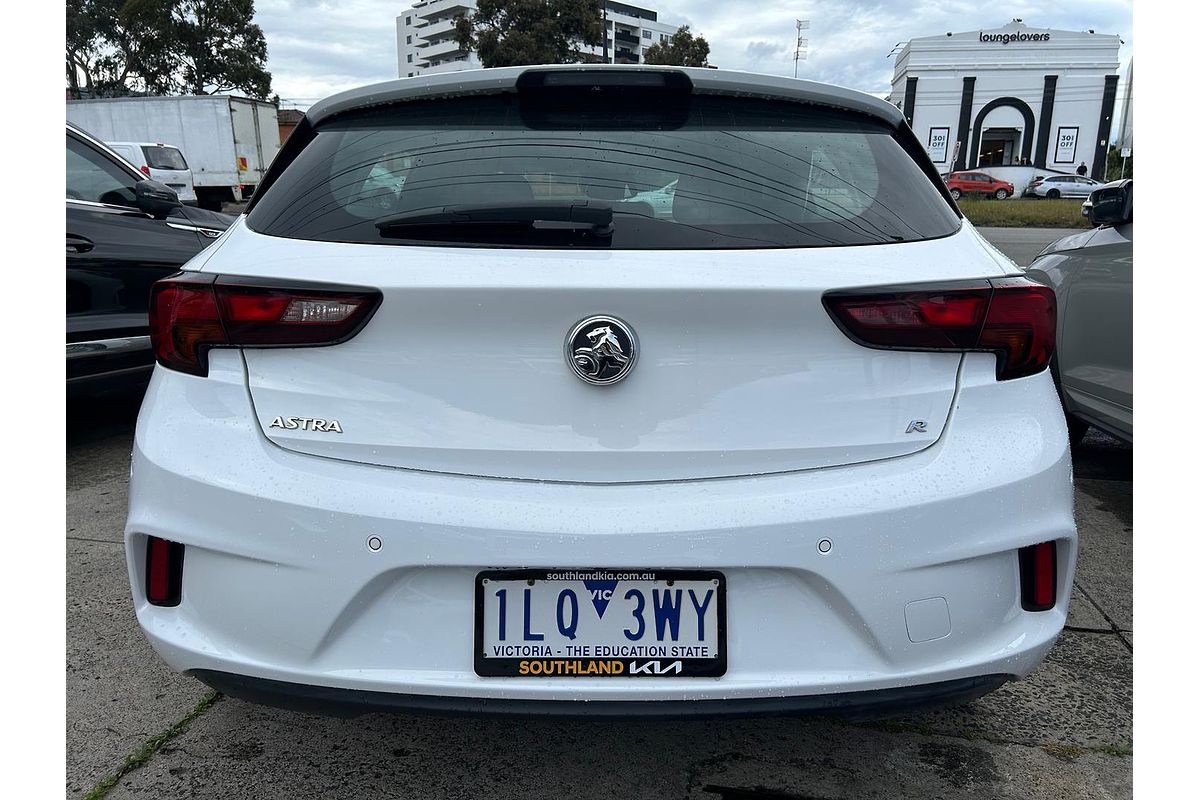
[
  {"x": 102, "y": 50},
  {"x": 165, "y": 47},
  {"x": 509, "y": 33},
  {"x": 1113, "y": 166},
  {"x": 220, "y": 47},
  {"x": 681, "y": 50}
]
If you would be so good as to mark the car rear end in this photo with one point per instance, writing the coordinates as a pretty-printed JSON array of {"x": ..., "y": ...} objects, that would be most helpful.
[
  {"x": 826, "y": 467},
  {"x": 166, "y": 164}
]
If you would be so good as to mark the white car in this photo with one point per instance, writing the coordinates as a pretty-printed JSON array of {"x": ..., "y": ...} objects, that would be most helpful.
[
  {"x": 1055, "y": 186},
  {"x": 490, "y": 443},
  {"x": 161, "y": 162},
  {"x": 660, "y": 200}
]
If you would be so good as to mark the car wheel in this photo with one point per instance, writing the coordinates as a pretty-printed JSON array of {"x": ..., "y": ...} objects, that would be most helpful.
[
  {"x": 1001, "y": 194},
  {"x": 1053, "y": 194},
  {"x": 955, "y": 193}
]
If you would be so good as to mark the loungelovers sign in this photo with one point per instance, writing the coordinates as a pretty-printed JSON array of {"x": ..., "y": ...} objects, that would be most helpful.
[{"x": 1005, "y": 38}]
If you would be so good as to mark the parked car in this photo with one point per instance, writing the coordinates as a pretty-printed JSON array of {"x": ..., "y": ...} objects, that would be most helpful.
[
  {"x": 124, "y": 232},
  {"x": 1092, "y": 274},
  {"x": 961, "y": 183},
  {"x": 1055, "y": 186},
  {"x": 660, "y": 200},
  {"x": 162, "y": 162},
  {"x": 490, "y": 441}
]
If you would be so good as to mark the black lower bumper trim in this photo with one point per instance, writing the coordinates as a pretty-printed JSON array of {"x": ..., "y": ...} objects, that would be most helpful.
[{"x": 353, "y": 702}]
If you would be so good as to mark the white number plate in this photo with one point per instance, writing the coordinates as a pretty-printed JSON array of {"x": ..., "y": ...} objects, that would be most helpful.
[{"x": 588, "y": 623}]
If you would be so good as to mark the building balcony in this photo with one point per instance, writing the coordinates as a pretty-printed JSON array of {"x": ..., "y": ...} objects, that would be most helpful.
[
  {"x": 440, "y": 49},
  {"x": 435, "y": 8},
  {"x": 431, "y": 30},
  {"x": 626, "y": 38},
  {"x": 626, "y": 57}
]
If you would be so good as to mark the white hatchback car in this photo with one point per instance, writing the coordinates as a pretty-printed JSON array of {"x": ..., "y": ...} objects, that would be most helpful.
[
  {"x": 161, "y": 162},
  {"x": 495, "y": 439}
]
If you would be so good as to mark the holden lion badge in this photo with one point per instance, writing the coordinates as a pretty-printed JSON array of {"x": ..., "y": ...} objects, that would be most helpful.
[{"x": 601, "y": 350}]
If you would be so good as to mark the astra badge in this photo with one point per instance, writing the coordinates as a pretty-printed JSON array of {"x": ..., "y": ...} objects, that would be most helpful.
[
  {"x": 306, "y": 424},
  {"x": 601, "y": 350}
]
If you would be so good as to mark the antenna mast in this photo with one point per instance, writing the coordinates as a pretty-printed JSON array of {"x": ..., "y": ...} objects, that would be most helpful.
[{"x": 801, "y": 46}]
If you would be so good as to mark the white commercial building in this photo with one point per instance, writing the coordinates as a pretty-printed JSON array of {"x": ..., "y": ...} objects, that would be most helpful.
[
  {"x": 1013, "y": 100},
  {"x": 425, "y": 36}
]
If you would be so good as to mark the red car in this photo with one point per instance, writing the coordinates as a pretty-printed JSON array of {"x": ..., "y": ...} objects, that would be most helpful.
[{"x": 961, "y": 183}]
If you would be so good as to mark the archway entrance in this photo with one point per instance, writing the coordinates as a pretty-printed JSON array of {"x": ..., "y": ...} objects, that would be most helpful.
[
  {"x": 1000, "y": 147},
  {"x": 1008, "y": 138}
]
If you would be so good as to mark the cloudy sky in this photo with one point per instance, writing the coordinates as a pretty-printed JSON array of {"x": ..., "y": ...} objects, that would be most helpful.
[{"x": 318, "y": 47}]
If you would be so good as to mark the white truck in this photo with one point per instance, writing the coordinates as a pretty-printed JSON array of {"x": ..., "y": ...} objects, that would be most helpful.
[{"x": 228, "y": 141}]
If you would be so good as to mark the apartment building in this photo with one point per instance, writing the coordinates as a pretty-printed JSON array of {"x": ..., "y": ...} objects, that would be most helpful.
[{"x": 425, "y": 36}]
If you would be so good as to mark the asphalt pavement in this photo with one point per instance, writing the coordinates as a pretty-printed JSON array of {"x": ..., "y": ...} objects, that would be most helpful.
[
  {"x": 136, "y": 730},
  {"x": 1023, "y": 244}
]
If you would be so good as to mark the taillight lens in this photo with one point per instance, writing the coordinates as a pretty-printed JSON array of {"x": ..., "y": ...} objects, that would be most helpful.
[
  {"x": 191, "y": 313},
  {"x": 1011, "y": 317},
  {"x": 145, "y": 170}
]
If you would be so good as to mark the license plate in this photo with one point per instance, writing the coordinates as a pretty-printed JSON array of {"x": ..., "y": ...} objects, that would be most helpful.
[{"x": 590, "y": 623}]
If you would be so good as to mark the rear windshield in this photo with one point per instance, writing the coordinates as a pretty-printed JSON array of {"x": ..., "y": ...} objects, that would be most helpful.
[
  {"x": 724, "y": 173},
  {"x": 164, "y": 157}
]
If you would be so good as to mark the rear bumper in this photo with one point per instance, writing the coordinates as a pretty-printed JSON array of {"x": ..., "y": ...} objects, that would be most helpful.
[
  {"x": 355, "y": 702},
  {"x": 280, "y": 586}
]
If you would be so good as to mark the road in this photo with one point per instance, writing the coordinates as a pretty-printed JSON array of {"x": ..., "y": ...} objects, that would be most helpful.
[
  {"x": 1023, "y": 244},
  {"x": 138, "y": 730}
]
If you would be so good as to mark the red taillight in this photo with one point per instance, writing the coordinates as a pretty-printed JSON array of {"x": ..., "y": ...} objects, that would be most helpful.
[
  {"x": 1039, "y": 576},
  {"x": 1011, "y": 317},
  {"x": 164, "y": 571},
  {"x": 191, "y": 313},
  {"x": 145, "y": 170}
]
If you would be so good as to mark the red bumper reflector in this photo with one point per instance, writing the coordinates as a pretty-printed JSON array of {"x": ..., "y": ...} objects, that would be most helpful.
[
  {"x": 164, "y": 571},
  {"x": 1039, "y": 576}
]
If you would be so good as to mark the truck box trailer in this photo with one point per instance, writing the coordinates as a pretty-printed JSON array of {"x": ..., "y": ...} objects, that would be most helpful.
[{"x": 228, "y": 141}]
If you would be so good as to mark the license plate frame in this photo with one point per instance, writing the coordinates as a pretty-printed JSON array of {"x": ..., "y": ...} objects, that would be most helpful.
[{"x": 632, "y": 666}]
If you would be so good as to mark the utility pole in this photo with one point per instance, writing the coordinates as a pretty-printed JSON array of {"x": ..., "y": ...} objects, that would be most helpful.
[
  {"x": 604, "y": 17},
  {"x": 801, "y": 53}
]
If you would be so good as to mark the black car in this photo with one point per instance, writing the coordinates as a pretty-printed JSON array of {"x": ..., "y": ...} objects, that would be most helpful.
[{"x": 124, "y": 232}]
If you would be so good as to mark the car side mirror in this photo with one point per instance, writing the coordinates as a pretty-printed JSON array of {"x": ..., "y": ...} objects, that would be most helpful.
[
  {"x": 1112, "y": 205},
  {"x": 156, "y": 199}
]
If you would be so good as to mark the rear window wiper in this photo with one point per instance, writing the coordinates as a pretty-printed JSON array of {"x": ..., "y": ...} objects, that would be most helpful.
[{"x": 582, "y": 213}]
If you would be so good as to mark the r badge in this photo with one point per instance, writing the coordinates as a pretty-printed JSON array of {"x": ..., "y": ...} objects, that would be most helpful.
[{"x": 601, "y": 350}]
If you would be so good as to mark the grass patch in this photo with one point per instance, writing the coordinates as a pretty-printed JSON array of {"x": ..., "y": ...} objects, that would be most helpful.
[
  {"x": 143, "y": 753},
  {"x": 1020, "y": 212},
  {"x": 1116, "y": 749}
]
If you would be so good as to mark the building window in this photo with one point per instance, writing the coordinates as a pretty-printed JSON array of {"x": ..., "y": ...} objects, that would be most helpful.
[
  {"x": 408, "y": 40},
  {"x": 662, "y": 37},
  {"x": 410, "y": 74},
  {"x": 410, "y": 58},
  {"x": 646, "y": 34},
  {"x": 408, "y": 20}
]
